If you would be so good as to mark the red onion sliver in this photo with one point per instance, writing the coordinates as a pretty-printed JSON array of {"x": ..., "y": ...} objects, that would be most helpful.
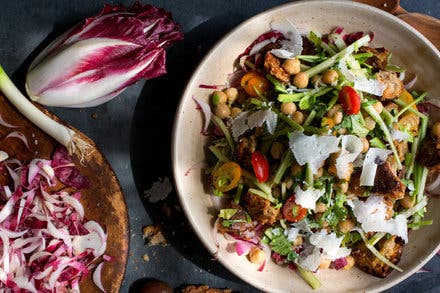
[
  {"x": 206, "y": 109},
  {"x": 6, "y": 124},
  {"x": 97, "y": 277},
  {"x": 20, "y": 136},
  {"x": 108, "y": 257},
  {"x": 215, "y": 233},
  {"x": 411, "y": 83},
  {"x": 243, "y": 247},
  {"x": 267, "y": 253},
  {"x": 212, "y": 87},
  {"x": 434, "y": 185}
]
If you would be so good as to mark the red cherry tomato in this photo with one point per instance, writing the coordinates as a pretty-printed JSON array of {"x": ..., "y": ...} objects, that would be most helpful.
[
  {"x": 293, "y": 212},
  {"x": 349, "y": 100},
  {"x": 260, "y": 166}
]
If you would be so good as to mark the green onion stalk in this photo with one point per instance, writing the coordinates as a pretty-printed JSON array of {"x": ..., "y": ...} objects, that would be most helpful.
[
  {"x": 64, "y": 135},
  {"x": 376, "y": 117}
]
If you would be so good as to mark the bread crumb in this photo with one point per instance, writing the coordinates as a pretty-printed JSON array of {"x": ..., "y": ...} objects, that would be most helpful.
[
  {"x": 153, "y": 236},
  {"x": 145, "y": 257}
]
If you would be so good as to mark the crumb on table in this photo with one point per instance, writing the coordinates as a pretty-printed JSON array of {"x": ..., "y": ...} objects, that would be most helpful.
[{"x": 153, "y": 235}]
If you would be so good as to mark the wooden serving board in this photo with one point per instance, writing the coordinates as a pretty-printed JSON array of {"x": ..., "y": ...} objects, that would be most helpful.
[
  {"x": 429, "y": 26},
  {"x": 103, "y": 202}
]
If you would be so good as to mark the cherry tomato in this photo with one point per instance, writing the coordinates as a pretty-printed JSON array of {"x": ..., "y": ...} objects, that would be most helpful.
[
  {"x": 293, "y": 212},
  {"x": 260, "y": 166},
  {"x": 349, "y": 100},
  {"x": 254, "y": 84},
  {"x": 227, "y": 176}
]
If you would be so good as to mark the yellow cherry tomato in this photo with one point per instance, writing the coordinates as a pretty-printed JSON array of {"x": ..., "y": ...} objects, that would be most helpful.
[
  {"x": 254, "y": 84},
  {"x": 226, "y": 177}
]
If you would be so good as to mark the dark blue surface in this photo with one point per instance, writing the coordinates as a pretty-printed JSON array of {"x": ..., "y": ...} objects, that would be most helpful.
[{"x": 134, "y": 130}]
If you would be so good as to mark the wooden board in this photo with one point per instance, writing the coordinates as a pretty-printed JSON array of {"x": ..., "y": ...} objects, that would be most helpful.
[
  {"x": 103, "y": 202},
  {"x": 429, "y": 26}
]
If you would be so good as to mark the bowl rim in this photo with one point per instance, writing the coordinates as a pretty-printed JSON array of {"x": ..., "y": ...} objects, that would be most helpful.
[{"x": 187, "y": 92}]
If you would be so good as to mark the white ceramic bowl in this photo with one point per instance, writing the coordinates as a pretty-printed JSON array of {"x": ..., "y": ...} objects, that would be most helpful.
[{"x": 410, "y": 49}]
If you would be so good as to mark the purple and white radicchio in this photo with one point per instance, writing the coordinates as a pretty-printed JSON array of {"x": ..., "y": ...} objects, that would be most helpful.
[{"x": 100, "y": 57}]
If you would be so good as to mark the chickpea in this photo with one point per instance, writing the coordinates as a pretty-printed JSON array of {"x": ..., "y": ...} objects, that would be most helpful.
[
  {"x": 218, "y": 97},
  {"x": 342, "y": 131},
  {"x": 298, "y": 241},
  {"x": 256, "y": 255},
  {"x": 391, "y": 106},
  {"x": 337, "y": 118},
  {"x": 343, "y": 186},
  {"x": 298, "y": 117},
  {"x": 222, "y": 111},
  {"x": 277, "y": 150},
  {"x": 301, "y": 80},
  {"x": 365, "y": 145},
  {"x": 346, "y": 226},
  {"x": 407, "y": 202},
  {"x": 436, "y": 129},
  {"x": 288, "y": 108},
  {"x": 232, "y": 94},
  {"x": 350, "y": 262},
  {"x": 330, "y": 76},
  {"x": 295, "y": 169},
  {"x": 292, "y": 66},
  {"x": 235, "y": 111},
  {"x": 319, "y": 173},
  {"x": 336, "y": 108},
  {"x": 370, "y": 123},
  {"x": 378, "y": 107},
  {"x": 325, "y": 264},
  {"x": 320, "y": 207}
]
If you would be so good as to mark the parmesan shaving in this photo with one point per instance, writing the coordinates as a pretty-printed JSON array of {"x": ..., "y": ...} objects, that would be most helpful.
[
  {"x": 374, "y": 157},
  {"x": 292, "y": 233},
  {"x": 351, "y": 147},
  {"x": 371, "y": 86},
  {"x": 372, "y": 216},
  {"x": 307, "y": 198},
  {"x": 399, "y": 135},
  {"x": 312, "y": 149},
  {"x": 310, "y": 258},
  {"x": 330, "y": 244},
  {"x": 246, "y": 121},
  {"x": 293, "y": 44},
  {"x": 354, "y": 73}
]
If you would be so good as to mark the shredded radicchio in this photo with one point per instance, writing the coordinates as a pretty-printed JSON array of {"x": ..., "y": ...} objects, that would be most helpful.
[
  {"x": 46, "y": 244},
  {"x": 66, "y": 171}
]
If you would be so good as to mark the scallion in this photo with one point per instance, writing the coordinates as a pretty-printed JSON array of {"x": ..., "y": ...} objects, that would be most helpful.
[
  {"x": 376, "y": 117},
  {"x": 217, "y": 121},
  {"x": 309, "y": 277},
  {"x": 333, "y": 59},
  {"x": 64, "y": 135}
]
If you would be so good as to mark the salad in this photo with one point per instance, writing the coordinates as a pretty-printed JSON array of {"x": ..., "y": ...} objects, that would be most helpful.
[{"x": 315, "y": 146}]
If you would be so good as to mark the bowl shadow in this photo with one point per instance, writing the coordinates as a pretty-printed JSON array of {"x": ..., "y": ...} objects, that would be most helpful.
[{"x": 150, "y": 143}]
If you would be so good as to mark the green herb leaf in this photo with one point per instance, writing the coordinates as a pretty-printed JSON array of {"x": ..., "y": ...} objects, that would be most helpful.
[
  {"x": 227, "y": 213},
  {"x": 358, "y": 125}
]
